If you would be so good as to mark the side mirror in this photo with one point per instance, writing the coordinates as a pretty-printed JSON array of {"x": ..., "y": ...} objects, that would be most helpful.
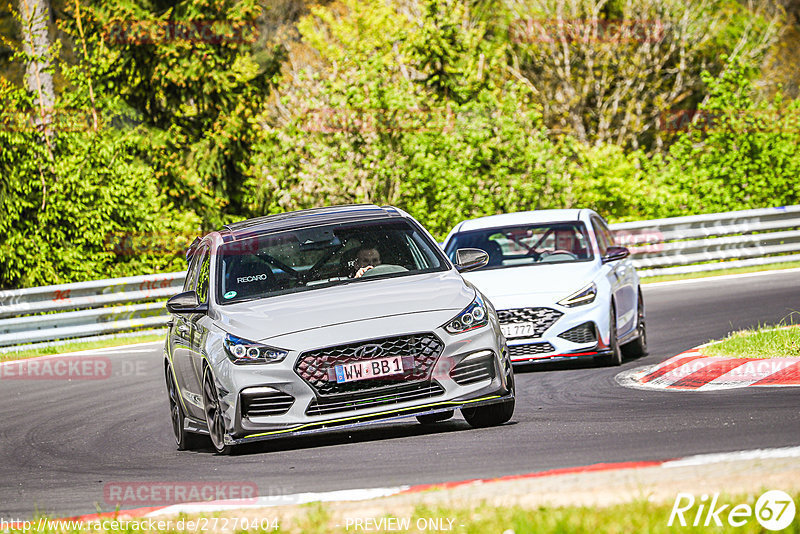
[
  {"x": 615, "y": 253},
  {"x": 469, "y": 259},
  {"x": 186, "y": 302}
]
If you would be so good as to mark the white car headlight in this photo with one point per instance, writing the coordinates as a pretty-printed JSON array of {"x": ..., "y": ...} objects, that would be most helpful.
[
  {"x": 585, "y": 295},
  {"x": 242, "y": 351},
  {"x": 474, "y": 316}
]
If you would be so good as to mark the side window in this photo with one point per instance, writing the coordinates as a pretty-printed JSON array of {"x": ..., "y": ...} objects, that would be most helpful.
[
  {"x": 203, "y": 276},
  {"x": 608, "y": 233},
  {"x": 604, "y": 239},
  {"x": 191, "y": 274}
]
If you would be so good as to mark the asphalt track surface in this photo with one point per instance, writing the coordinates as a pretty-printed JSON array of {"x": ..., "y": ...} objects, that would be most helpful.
[{"x": 63, "y": 441}]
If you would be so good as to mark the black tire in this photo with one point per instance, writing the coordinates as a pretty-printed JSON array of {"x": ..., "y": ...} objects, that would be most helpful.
[
  {"x": 214, "y": 417},
  {"x": 638, "y": 347},
  {"x": 184, "y": 439},
  {"x": 615, "y": 358},
  {"x": 491, "y": 414},
  {"x": 431, "y": 418}
]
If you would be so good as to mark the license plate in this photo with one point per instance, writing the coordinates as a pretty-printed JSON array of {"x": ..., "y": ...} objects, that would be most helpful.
[
  {"x": 349, "y": 372},
  {"x": 514, "y": 330}
]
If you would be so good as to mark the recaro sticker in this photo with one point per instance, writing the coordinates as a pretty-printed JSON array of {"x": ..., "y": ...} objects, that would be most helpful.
[{"x": 254, "y": 278}]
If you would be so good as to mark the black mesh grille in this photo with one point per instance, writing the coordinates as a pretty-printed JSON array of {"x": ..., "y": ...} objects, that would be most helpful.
[
  {"x": 580, "y": 334},
  {"x": 542, "y": 318},
  {"x": 419, "y": 352},
  {"x": 375, "y": 397},
  {"x": 268, "y": 403},
  {"x": 529, "y": 349},
  {"x": 471, "y": 371}
]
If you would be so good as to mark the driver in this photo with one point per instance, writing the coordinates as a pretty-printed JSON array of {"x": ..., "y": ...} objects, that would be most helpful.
[
  {"x": 565, "y": 240},
  {"x": 367, "y": 258}
]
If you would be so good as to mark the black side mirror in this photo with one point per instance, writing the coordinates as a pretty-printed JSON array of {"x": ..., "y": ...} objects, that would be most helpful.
[
  {"x": 186, "y": 302},
  {"x": 469, "y": 259},
  {"x": 615, "y": 253}
]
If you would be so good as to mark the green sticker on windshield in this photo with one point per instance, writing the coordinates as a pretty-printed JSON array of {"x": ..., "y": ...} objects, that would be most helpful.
[{"x": 229, "y": 294}]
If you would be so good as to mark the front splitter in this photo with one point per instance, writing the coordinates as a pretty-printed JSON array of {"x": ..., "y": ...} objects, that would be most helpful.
[{"x": 344, "y": 423}]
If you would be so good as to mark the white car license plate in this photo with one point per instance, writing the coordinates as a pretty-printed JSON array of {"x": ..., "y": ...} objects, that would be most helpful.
[
  {"x": 348, "y": 372},
  {"x": 514, "y": 330}
]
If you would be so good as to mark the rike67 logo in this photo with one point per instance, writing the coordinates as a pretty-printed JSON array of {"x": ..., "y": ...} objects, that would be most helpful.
[{"x": 774, "y": 510}]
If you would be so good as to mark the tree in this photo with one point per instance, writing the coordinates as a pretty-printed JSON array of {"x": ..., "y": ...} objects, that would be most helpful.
[
  {"x": 736, "y": 153},
  {"x": 34, "y": 16},
  {"x": 607, "y": 71}
]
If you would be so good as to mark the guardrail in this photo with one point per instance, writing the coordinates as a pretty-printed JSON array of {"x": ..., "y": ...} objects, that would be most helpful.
[
  {"x": 100, "y": 309},
  {"x": 710, "y": 242}
]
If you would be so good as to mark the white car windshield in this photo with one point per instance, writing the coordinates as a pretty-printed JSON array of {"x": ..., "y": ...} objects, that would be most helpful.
[
  {"x": 512, "y": 246},
  {"x": 310, "y": 258}
]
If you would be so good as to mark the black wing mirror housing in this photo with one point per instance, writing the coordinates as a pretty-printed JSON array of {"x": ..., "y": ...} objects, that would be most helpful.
[
  {"x": 186, "y": 302},
  {"x": 615, "y": 254},
  {"x": 469, "y": 259}
]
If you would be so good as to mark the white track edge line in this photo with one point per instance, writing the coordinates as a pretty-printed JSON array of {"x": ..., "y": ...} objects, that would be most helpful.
[
  {"x": 755, "y": 454},
  {"x": 280, "y": 500},
  {"x": 373, "y": 493},
  {"x": 668, "y": 283}
]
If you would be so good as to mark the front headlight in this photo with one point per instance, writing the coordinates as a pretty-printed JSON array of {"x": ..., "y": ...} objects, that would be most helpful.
[
  {"x": 242, "y": 351},
  {"x": 585, "y": 295},
  {"x": 474, "y": 316}
]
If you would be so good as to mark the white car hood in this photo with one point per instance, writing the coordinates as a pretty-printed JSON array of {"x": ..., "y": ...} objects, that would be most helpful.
[
  {"x": 548, "y": 282},
  {"x": 260, "y": 320}
]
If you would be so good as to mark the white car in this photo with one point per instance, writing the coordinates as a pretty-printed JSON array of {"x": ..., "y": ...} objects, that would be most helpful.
[{"x": 561, "y": 288}]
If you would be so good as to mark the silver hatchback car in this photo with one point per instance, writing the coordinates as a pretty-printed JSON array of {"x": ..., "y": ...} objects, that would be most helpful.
[{"x": 329, "y": 318}]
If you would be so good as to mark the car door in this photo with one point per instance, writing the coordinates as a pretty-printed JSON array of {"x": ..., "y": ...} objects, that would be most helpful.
[
  {"x": 187, "y": 359},
  {"x": 199, "y": 332},
  {"x": 620, "y": 275},
  {"x": 180, "y": 334}
]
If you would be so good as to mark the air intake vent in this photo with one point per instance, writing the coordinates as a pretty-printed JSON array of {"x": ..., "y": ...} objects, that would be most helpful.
[
  {"x": 542, "y": 318},
  {"x": 473, "y": 370},
  {"x": 530, "y": 349},
  {"x": 583, "y": 334},
  {"x": 419, "y": 352},
  {"x": 258, "y": 402},
  {"x": 377, "y": 397}
]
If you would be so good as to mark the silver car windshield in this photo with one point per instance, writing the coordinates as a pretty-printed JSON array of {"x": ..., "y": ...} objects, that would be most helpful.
[
  {"x": 512, "y": 246},
  {"x": 310, "y": 258}
]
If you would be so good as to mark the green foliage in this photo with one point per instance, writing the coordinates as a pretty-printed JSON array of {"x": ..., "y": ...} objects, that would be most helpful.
[
  {"x": 76, "y": 200},
  {"x": 189, "y": 74},
  {"x": 431, "y": 105},
  {"x": 441, "y": 132},
  {"x": 613, "y": 182},
  {"x": 737, "y": 153}
]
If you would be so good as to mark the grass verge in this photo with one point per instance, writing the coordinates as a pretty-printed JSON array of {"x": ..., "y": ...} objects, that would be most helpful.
[
  {"x": 772, "y": 342},
  {"x": 480, "y": 518},
  {"x": 76, "y": 346},
  {"x": 721, "y": 272}
]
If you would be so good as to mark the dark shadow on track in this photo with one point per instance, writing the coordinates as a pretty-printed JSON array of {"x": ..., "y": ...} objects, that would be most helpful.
[
  {"x": 367, "y": 434},
  {"x": 568, "y": 365}
]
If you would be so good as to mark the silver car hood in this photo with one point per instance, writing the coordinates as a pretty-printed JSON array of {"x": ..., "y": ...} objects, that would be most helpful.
[
  {"x": 441, "y": 293},
  {"x": 558, "y": 279}
]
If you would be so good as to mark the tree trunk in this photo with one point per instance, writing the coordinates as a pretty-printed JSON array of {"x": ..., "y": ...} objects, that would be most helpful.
[{"x": 35, "y": 15}]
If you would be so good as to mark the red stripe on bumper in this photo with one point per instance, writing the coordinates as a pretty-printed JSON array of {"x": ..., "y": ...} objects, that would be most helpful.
[{"x": 548, "y": 356}]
